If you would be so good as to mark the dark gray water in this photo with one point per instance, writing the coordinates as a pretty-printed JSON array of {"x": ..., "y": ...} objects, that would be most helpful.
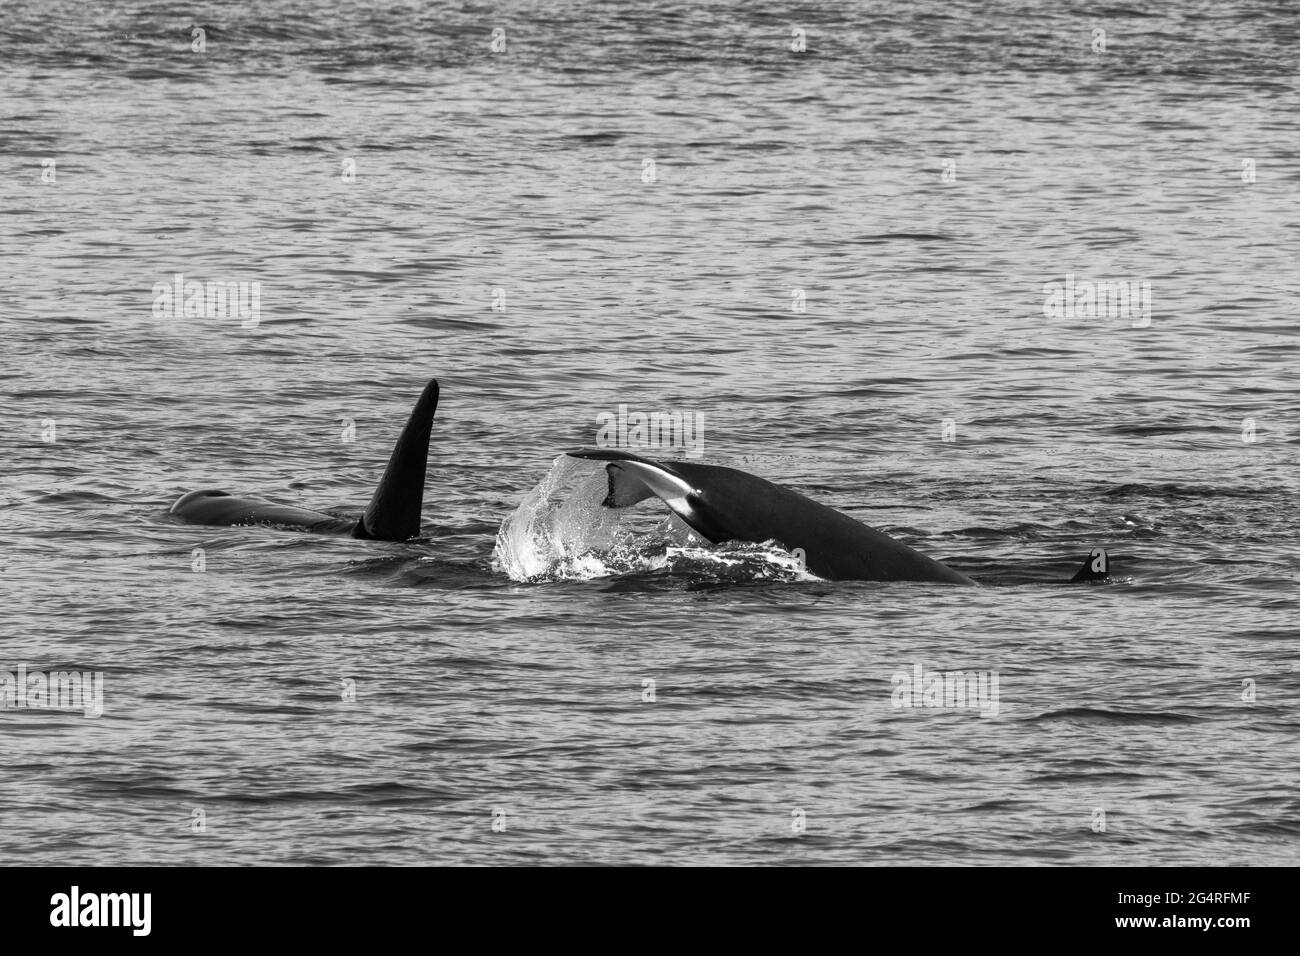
[{"x": 413, "y": 204}]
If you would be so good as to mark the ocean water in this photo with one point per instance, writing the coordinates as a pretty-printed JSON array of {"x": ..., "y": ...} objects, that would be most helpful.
[{"x": 839, "y": 260}]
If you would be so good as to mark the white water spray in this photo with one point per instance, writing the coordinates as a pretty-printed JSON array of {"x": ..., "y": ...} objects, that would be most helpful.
[{"x": 561, "y": 531}]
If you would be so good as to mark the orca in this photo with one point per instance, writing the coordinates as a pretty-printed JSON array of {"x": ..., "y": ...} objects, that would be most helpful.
[
  {"x": 392, "y": 515},
  {"x": 725, "y": 504},
  {"x": 1096, "y": 568}
]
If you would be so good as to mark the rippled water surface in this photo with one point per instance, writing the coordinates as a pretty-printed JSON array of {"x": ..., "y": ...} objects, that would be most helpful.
[{"x": 823, "y": 254}]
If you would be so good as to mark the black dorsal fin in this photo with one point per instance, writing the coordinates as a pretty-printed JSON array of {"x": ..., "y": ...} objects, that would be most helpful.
[
  {"x": 394, "y": 511},
  {"x": 1096, "y": 567}
]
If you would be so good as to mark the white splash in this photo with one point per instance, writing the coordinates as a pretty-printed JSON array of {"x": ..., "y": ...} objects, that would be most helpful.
[{"x": 560, "y": 531}]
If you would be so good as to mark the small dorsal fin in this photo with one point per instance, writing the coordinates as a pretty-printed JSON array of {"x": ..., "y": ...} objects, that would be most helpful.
[
  {"x": 394, "y": 512},
  {"x": 1096, "y": 567}
]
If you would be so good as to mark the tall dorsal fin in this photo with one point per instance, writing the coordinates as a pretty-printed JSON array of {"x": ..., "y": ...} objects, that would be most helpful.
[{"x": 394, "y": 512}]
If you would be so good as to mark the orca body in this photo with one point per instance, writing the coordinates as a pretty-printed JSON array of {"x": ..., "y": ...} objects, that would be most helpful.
[
  {"x": 392, "y": 515},
  {"x": 725, "y": 504}
]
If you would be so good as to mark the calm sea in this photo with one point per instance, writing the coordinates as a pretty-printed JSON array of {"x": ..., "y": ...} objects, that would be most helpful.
[{"x": 837, "y": 237}]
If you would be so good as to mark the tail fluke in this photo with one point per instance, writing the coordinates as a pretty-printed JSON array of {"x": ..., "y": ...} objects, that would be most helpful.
[
  {"x": 633, "y": 478},
  {"x": 1096, "y": 567},
  {"x": 394, "y": 511}
]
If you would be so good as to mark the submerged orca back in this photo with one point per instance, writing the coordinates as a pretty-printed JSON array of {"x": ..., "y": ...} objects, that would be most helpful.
[{"x": 394, "y": 512}]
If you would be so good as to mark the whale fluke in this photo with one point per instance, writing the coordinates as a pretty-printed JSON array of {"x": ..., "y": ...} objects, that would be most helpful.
[
  {"x": 633, "y": 479},
  {"x": 725, "y": 504},
  {"x": 394, "y": 511}
]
